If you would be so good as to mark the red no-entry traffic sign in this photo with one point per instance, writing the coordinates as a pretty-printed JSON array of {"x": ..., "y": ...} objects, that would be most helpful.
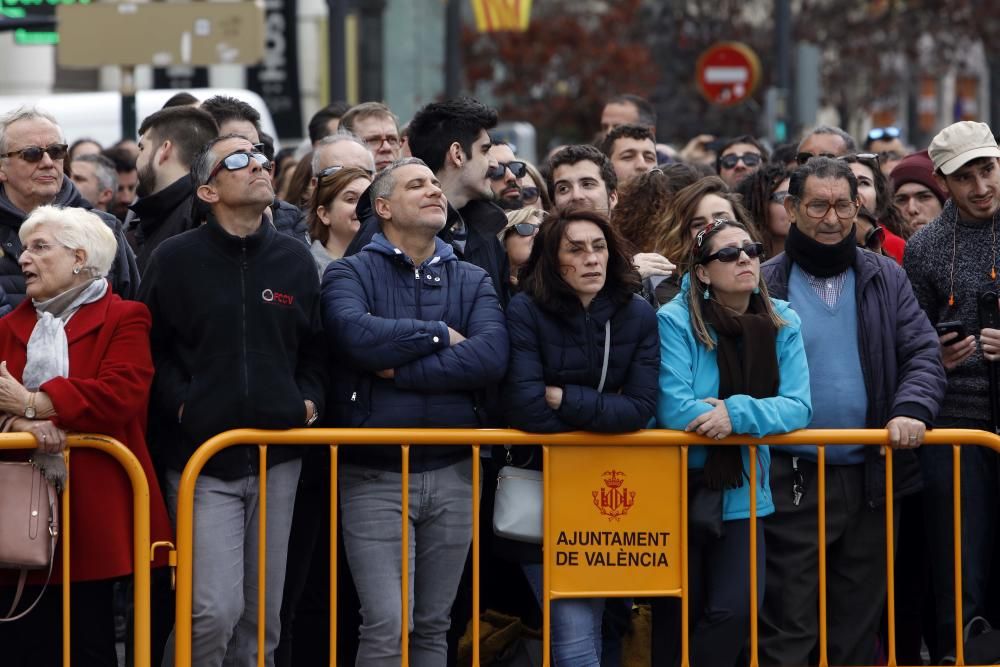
[{"x": 728, "y": 73}]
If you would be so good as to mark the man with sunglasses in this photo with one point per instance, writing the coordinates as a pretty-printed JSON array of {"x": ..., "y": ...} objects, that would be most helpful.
[
  {"x": 632, "y": 151},
  {"x": 738, "y": 158},
  {"x": 505, "y": 177},
  {"x": 825, "y": 141},
  {"x": 874, "y": 362},
  {"x": 238, "y": 343},
  {"x": 32, "y": 151},
  {"x": 885, "y": 140}
]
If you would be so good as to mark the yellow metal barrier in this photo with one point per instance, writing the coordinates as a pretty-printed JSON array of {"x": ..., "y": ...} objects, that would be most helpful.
[
  {"x": 406, "y": 438},
  {"x": 141, "y": 555}
]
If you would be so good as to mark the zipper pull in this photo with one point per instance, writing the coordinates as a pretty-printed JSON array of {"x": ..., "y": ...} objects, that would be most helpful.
[
  {"x": 354, "y": 397},
  {"x": 416, "y": 273}
]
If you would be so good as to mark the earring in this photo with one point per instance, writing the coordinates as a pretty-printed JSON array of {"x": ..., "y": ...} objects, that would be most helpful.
[
  {"x": 705, "y": 295},
  {"x": 756, "y": 290},
  {"x": 76, "y": 269}
]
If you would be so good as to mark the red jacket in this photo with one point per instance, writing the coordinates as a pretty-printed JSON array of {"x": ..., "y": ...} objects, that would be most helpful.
[{"x": 108, "y": 392}]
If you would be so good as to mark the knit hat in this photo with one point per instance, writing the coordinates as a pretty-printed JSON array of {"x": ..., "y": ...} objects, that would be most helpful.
[
  {"x": 917, "y": 168},
  {"x": 961, "y": 142}
]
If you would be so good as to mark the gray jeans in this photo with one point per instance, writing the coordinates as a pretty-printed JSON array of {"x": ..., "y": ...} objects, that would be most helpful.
[
  {"x": 224, "y": 600},
  {"x": 440, "y": 520}
]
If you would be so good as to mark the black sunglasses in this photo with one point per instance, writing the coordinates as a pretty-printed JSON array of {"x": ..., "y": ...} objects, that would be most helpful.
[
  {"x": 35, "y": 153},
  {"x": 730, "y": 161},
  {"x": 529, "y": 195},
  {"x": 875, "y": 237},
  {"x": 525, "y": 228},
  {"x": 802, "y": 158},
  {"x": 237, "y": 161},
  {"x": 731, "y": 254},
  {"x": 516, "y": 167}
]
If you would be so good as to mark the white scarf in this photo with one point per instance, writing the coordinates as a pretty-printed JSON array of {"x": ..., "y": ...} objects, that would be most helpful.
[
  {"x": 48, "y": 353},
  {"x": 48, "y": 349}
]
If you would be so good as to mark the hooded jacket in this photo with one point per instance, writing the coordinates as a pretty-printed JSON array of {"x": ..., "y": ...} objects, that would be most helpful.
[
  {"x": 381, "y": 312},
  {"x": 900, "y": 360},
  {"x": 124, "y": 274}
]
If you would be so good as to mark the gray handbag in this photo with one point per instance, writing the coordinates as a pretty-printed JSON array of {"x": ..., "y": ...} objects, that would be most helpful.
[{"x": 517, "y": 510}]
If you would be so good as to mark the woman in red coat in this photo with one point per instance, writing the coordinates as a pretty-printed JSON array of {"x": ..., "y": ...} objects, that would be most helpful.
[{"x": 76, "y": 359}]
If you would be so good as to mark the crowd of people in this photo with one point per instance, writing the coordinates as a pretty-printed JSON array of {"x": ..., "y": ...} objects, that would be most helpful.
[{"x": 168, "y": 289}]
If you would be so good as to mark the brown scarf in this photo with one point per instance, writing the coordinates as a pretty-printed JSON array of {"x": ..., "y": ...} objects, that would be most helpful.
[{"x": 748, "y": 364}]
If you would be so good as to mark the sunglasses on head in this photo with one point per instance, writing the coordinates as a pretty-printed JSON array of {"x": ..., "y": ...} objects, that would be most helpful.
[
  {"x": 334, "y": 168},
  {"x": 529, "y": 195},
  {"x": 731, "y": 254},
  {"x": 35, "y": 153},
  {"x": 516, "y": 167},
  {"x": 804, "y": 157},
  {"x": 241, "y": 160},
  {"x": 879, "y": 133},
  {"x": 730, "y": 161}
]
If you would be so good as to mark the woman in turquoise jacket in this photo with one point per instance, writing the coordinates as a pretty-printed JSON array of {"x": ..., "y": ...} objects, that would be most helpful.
[{"x": 731, "y": 362}]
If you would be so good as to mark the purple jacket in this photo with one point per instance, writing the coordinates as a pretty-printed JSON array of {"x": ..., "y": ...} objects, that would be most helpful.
[{"x": 900, "y": 359}]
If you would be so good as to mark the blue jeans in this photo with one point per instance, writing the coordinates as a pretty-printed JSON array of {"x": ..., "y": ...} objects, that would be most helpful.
[
  {"x": 440, "y": 526},
  {"x": 576, "y": 625},
  {"x": 224, "y": 601}
]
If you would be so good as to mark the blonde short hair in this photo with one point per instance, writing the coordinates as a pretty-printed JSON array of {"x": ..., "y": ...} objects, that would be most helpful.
[{"x": 76, "y": 229}]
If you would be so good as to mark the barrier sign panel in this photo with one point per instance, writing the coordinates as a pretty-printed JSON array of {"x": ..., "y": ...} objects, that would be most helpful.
[{"x": 615, "y": 520}]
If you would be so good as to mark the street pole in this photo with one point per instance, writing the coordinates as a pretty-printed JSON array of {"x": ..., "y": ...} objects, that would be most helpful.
[
  {"x": 129, "y": 129},
  {"x": 453, "y": 49},
  {"x": 337, "y": 63},
  {"x": 783, "y": 64}
]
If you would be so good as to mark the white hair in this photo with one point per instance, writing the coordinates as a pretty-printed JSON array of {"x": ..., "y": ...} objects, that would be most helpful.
[
  {"x": 24, "y": 113},
  {"x": 76, "y": 229}
]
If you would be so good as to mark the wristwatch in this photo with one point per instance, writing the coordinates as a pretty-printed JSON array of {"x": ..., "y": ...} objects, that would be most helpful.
[
  {"x": 315, "y": 414},
  {"x": 29, "y": 408}
]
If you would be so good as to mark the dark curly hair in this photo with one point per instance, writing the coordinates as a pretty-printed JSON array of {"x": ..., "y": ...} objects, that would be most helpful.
[
  {"x": 541, "y": 277},
  {"x": 643, "y": 204},
  {"x": 756, "y": 190}
]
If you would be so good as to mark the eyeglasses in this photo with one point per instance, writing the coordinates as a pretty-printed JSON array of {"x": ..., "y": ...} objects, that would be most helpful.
[
  {"x": 376, "y": 142},
  {"x": 529, "y": 195},
  {"x": 845, "y": 210},
  {"x": 241, "y": 160},
  {"x": 37, "y": 249},
  {"x": 518, "y": 168},
  {"x": 34, "y": 153},
  {"x": 879, "y": 133},
  {"x": 731, "y": 254},
  {"x": 334, "y": 168},
  {"x": 780, "y": 196},
  {"x": 802, "y": 158},
  {"x": 730, "y": 161},
  {"x": 525, "y": 228}
]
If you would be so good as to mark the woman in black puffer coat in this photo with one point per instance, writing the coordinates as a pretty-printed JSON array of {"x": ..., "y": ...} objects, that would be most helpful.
[{"x": 577, "y": 286}]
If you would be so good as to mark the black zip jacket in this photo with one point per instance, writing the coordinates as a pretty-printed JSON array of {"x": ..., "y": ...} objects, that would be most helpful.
[
  {"x": 161, "y": 215},
  {"x": 236, "y": 339}
]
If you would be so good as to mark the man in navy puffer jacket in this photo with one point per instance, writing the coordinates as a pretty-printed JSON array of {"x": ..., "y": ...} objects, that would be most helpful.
[{"x": 420, "y": 332}]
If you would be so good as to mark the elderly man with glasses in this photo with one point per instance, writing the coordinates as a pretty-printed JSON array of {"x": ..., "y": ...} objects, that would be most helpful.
[
  {"x": 237, "y": 343},
  {"x": 32, "y": 152},
  {"x": 873, "y": 363}
]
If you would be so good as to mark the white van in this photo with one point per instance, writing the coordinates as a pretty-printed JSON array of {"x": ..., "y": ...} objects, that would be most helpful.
[{"x": 98, "y": 115}]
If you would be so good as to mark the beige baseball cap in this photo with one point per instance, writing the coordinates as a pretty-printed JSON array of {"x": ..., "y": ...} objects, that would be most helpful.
[{"x": 961, "y": 142}]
